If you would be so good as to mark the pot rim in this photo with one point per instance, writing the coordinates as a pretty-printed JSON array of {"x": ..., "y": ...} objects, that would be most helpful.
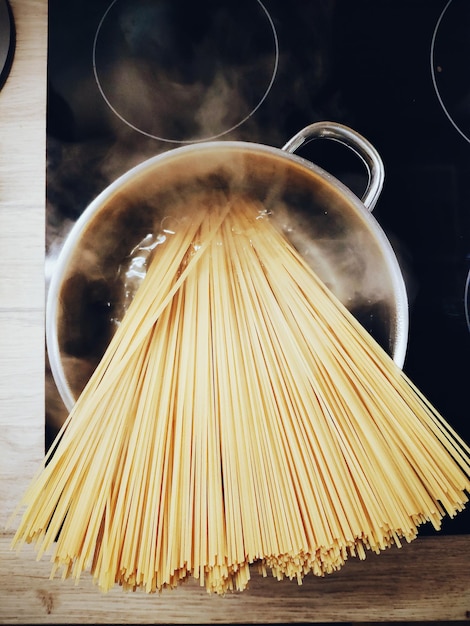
[{"x": 52, "y": 299}]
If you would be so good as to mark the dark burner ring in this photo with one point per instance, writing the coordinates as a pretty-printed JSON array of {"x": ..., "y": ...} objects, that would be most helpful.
[{"x": 7, "y": 40}]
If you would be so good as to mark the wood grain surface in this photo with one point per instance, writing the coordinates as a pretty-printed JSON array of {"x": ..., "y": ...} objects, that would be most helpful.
[
  {"x": 427, "y": 580},
  {"x": 410, "y": 583}
]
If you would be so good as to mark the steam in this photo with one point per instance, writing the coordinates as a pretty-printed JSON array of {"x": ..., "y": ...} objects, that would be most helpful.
[
  {"x": 185, "y": 75},
  {"x": 138, "y": 110}
]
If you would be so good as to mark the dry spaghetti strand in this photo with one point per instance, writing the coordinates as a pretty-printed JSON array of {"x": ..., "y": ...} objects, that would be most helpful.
[{"x": 240, "y": 415}]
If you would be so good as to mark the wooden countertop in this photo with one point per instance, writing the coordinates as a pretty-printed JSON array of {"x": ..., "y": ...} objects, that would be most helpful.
[{"x": 427, "y": 580}]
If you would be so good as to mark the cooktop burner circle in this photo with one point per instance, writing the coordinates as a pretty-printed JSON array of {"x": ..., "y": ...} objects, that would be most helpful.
[
  {"x": 450, "y": 52},
  {"x": 185, "y": 72}
]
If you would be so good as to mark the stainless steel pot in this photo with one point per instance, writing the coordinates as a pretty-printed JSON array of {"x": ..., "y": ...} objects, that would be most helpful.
[{"x": 332, "y": 228}]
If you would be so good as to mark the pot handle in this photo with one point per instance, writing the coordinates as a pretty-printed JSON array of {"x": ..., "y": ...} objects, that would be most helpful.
[{"x": 355, "y": 142}]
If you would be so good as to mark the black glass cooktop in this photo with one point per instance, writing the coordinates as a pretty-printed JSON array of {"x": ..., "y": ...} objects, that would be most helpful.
[{"x": 132, "y": 78}]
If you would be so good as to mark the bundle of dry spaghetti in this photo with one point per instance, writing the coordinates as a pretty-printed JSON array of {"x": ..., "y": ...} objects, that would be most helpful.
[{"x": 241, "y": 415}]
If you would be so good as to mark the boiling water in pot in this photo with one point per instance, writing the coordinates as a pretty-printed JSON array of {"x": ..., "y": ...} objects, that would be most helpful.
[{"x": 111, "y": 255}]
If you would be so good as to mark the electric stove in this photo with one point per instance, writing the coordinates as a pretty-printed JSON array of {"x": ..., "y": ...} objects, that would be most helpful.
[{"x": 128, "y": 79}]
